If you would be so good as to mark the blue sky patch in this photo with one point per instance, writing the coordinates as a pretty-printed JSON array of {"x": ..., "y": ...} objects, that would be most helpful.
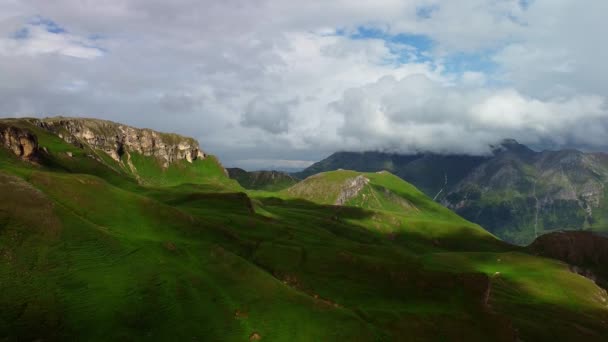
[
  {"x": 420, "y": 42},
  {"x": 426, "y": 12},
  {"x": 48, "y": 24},
  {"x": 525, "y": 3},
  {"x": 477, "y": 61},
  {"x": 422, "y": 51},
  {"x": 20, "y": 34},
  {"x": 419, "y": 45}
]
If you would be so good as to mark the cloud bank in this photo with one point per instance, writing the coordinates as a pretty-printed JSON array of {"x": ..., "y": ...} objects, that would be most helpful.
[{"x": 275, "y": 83}]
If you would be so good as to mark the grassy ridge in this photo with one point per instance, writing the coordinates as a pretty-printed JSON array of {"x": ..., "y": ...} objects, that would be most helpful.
[{"x": 397, "y": 209}]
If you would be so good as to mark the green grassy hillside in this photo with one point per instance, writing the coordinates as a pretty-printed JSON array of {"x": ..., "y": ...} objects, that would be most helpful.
[
  {"x": 397, "y": 209},
  {"x": 89, "y": 251},
  {"x": 428, "y": 171},
  {"x": 515, "y": 193}
]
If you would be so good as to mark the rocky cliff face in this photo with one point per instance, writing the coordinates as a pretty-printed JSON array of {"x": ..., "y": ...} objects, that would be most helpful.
[
  {"x": 117, "y": 139},
  {"x": 23, "y": 143},
  {"x": 351, "y": 189}
]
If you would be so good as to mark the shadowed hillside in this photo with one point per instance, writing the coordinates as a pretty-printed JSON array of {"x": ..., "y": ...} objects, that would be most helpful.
[{"x": 261, "y": 180}]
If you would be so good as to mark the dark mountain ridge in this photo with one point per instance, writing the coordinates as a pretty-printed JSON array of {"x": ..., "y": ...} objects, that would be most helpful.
[
  {"x": 516, "y": 193},
  {"x": 585, "y": 252},
  {"x": 430, "y": 172},
  {"x": 261, "y": 180}
]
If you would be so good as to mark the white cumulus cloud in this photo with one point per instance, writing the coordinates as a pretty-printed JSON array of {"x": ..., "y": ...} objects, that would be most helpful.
[{"x": 284, "y": 80}]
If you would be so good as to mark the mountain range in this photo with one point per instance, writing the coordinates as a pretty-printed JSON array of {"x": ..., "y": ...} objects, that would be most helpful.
[
  {"x": 111, "y": 232},
  {"x": 515, "y": 193}
]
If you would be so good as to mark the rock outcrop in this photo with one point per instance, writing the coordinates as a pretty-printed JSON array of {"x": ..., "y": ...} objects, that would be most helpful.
[
  {"x": 22, "y": 142},
  {"x": 351, "y": 189},
  {"x": 117, "y": 139}
]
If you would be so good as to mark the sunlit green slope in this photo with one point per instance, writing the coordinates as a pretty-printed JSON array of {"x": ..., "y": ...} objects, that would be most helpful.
[{"x": 396, "y": 208}]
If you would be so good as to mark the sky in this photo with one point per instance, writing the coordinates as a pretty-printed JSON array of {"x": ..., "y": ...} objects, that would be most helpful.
[{"x": 281, "y": 84}]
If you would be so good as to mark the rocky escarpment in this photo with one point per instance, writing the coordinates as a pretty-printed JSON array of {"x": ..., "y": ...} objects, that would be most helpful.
[
  {"x": 22, "y": 142},
  {"x": 118, "y": 139},
  {"x": 586, "y": 252}
]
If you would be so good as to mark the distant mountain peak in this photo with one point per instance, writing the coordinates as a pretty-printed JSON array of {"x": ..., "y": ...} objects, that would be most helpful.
[
  {"x": 510, "y": 145},
  {"x": 509, "y": 142}
]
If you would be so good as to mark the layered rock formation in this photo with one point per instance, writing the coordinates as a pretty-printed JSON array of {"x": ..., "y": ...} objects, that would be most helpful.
[
  {"x": 23, "y": 143},
  {"x": 117, "y": 139}
]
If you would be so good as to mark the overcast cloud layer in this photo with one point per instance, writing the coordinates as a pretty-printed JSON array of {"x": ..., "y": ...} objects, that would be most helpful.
[{"x": 282, "y": 83}]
